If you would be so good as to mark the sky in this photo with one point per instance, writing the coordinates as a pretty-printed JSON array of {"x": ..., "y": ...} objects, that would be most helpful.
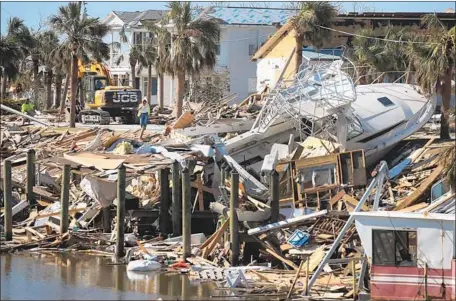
[{"x": 36, "y": 13}]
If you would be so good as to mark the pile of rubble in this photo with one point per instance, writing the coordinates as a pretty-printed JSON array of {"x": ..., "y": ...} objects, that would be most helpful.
[{"x": 318, "y": 186}]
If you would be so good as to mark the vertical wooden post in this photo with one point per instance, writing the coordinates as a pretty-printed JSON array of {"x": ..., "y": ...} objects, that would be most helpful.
[
  {"x": 353, "y": 266},
  {"x": 177, "y": 205},
  {"x": 106, "y": 220},
  {"x": 65, "y": 199},
  {"x": 222, "y": 174},
  {"x": 164, "y": 201},
  {"x": 8, "y": 200},
  {"x": 30, "y": 176},
  {"x": 227, "y": 172},
  {"x": 120, "y": 222},
  {"x": 426, "y": 282},
  {"x": 234, "y": 226},
  {"x": 186, "y": 213},
  {"x": 274, "y": 192},
  {"x": 307, "y": 277}
]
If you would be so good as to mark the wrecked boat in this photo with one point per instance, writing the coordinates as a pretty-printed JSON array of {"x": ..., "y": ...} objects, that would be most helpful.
[{"x": 322, "y": 101}]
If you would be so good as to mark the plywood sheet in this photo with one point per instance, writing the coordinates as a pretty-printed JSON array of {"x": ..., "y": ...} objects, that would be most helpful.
[{"x": 92, "y": 160}]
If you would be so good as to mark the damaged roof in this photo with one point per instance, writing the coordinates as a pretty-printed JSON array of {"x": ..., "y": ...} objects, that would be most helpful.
[
  {"x": 133, "y": 18},
  {"x": 247, "y": 15}
]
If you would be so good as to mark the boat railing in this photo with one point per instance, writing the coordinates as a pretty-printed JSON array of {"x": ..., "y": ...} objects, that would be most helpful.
[{"x": 382, "y": 75}]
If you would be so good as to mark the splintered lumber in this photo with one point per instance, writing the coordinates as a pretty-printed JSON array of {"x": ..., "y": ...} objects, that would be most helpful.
[
  {"x": 295, "y": 279},
  {"x": 414, "y": 207},
  {"x": 351, "y": 203},
  {"x": 286, "y": 223},
  {"x": 34, "y": 232},
  {"x": 416, "y": 195},
  {"x": 218, "y": 235},
  {"x": 315, "y": 259},
  {"x": 286, "y": 261},
  {"x": 336, "y": 198},
  {"x": 183, "y": 121},
  {"x": 417, "y": 156}
]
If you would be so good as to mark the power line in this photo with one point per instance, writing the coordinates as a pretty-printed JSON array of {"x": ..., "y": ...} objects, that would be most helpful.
[{"x": 373, "y": 38}]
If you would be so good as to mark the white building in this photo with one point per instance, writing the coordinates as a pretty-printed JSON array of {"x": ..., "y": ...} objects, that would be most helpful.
[{"x": 242, "y": 31}]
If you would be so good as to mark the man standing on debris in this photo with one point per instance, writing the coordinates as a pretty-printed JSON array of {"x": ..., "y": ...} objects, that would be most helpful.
[
  {"x": 143, "y": 114},
  {"x": 27, "y": 108}
]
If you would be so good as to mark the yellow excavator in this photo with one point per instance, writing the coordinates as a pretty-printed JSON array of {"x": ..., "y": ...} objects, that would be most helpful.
[{"x": 102, "y": 100}]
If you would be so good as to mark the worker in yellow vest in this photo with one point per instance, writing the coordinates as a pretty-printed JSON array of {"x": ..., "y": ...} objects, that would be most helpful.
[
  {"x": 143, "y": 114},
  {"x": 27, "y": 108}
]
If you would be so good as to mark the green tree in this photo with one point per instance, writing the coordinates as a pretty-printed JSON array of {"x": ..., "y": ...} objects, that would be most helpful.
[
  {"x": 84, "y": 35},
  {"x": 307, "y": 24},
  {"x": 47, "y": 41},
  {"x": 193, "y": 46},
  {"x": 161, "y": 40},
  {"x": 15, "y": 45},
  {"x": 434, "y": 61}
]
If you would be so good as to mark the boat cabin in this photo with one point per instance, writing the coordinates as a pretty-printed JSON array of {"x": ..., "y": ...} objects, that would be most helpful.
[{"x": 412, "y": 254}]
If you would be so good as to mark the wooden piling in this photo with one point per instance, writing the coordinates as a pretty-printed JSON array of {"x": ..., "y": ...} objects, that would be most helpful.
[
  {"x": 186, "y": 213},
  {"x": 65, "y": 199},
  {"x": 106, "y": 220},
  {"x": 30, "y": 176},
  {"x": 177, "y": 204},
  {"x": 8, "y": 200},
  {"x": 426, "y": 297},
  {"x": 163, "y": 177},
  {"x": 222, "y": 174},
  {"x": 274, "y": 193},
  {"x": 234, "y": 226},
  {"x": 120, "y": 222},
  {"x": 353, "y": 266}
]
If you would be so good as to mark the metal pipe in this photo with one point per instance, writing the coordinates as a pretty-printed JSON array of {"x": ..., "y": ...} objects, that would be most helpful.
[
  {"x": 351, "y": 219},
  {"x": 3, "y": 107}
]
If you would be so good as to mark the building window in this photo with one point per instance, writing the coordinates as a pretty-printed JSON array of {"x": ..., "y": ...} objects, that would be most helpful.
[
  {"x": 385, "y": 101},
  {"x": 142, "y": 38},
  {"x": 252, "y": 49},
  {"x": 394, "y": 248}
]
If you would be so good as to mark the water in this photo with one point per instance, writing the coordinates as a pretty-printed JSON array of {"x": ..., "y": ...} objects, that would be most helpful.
[{"x": 74, "y": 276}]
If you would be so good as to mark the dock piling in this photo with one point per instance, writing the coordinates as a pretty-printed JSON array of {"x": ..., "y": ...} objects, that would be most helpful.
[
  {"x": 186, "y": 212},
  {"x": 8, "y": 199},
  {"x": 234, "y": 226},
  {"x": 177, "y": 204},
  {"x": 274, "y": 193},
  {"x": 65, "y": 198},
  {"x": 164, "y": 200},
  {"x": 30, "y": 176},
  {"x": 120, "y": 222}
]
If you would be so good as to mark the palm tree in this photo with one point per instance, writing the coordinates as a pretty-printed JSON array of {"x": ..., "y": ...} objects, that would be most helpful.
[
  {"x": 162, "y": 39},
  {"x": 307, "y": 25},
  {"x": 14, "y": 46},
  {"x": 434, "y": 62},
  {"x": 47, "y": 41},
  {"x": 149, "y": 60},
  {"x": 364, "y": 53},
  {"x": 193, "y": 46},
  {"x": 84, "y": 36}
]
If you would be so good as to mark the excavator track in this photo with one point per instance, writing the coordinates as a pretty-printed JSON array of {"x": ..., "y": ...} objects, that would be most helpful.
[{"x": 94, "y": 117}]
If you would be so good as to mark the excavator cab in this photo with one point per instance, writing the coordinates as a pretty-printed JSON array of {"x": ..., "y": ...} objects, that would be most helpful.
[{"x": 91, "y": 84}]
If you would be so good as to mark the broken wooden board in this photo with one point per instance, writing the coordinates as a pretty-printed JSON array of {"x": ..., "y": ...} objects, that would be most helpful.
[
  {"x": 315, "y": 259},
  {"x": 336, "y": 198},
  {"x": 415, "y": 196},
  {"x": 92, "y": 160},
  {"x": 183, "y": 121},
  {"x": 286, "y": 261},
  {"x": 351, "y": 203}
]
